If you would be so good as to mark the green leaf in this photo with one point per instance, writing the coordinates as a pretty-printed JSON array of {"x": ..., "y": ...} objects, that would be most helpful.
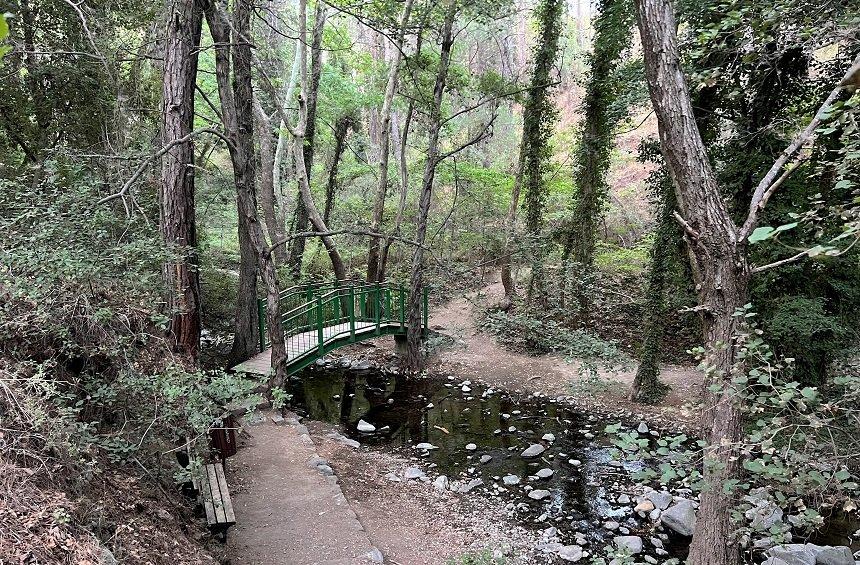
[{"x": 761, "y": 234}]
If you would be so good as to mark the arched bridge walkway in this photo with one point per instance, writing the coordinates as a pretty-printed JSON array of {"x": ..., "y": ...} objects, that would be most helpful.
[{"x": 318, "y": 318}]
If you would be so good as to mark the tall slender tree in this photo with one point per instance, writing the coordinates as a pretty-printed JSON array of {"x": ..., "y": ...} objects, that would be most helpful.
[
  {"x": 232, "y": 45},
  {"x": 539, "y": 117},
  {"x": 596, "y": 133},
  {"x": 385, "y": 113},
  {"x": 310, "y": 95},
  {"x": 416, "y": 279},
  {"x": 176, "y": 190}
]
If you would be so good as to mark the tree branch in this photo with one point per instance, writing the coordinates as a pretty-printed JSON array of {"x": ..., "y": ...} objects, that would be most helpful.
[
  {"x": 154, "y": 157},
  {"x": 769, "y": 183}
]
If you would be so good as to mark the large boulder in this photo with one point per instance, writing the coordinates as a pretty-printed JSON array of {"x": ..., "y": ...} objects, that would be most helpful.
[
  {"x": 793, "y": 553},
  {"x": 680, "y": 518},
  {"x": 840, "y": 555}
]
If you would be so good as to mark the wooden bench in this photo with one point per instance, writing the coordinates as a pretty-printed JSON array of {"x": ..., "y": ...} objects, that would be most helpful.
[{"x": 212, "y": 486}]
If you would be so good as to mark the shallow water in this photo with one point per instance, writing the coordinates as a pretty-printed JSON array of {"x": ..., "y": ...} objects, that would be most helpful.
[
  {"x": 438, "y": 411},
  {"x": 585, "y": 482}
]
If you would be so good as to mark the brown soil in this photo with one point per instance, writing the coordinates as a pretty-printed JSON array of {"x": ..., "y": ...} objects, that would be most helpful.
[{"x": 479, "y": 356}]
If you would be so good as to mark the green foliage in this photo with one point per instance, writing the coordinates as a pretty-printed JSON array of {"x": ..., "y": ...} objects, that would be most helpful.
[
  {"x": 86, "y": 373},
  {"x": 531, "y": 332},
  {"x": 795, "y": 447}
]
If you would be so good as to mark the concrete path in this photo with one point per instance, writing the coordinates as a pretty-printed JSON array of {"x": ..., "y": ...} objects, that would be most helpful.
[{"x": 289, "y": 508}]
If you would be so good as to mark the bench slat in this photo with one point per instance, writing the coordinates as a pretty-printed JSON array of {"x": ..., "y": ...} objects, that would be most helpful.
[
  {"x": 217, "y": 500},
  {"x": 229, "y": 516},
  {"x": 208, "y": 500}
]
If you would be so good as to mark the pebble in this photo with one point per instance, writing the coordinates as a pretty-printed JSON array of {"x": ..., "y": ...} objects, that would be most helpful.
[
  {"x": 511, "y": 480},
  {"x": 366, "y": 427},
  {"x": 538, "y": 494},
  {"x": 544, "y": 473},
  {"x": 471, "y": 447},
  {"x": 486, "y": 458},
  {"x": 533, "y": 450}
]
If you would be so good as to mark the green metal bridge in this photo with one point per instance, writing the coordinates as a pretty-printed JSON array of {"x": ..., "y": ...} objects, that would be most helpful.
[{"x": 318, "y": 318}]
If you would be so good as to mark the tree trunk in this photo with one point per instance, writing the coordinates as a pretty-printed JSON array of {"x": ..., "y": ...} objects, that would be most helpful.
[
  {"x": 510, "y": 230},
  {"x": 647, "y": 387},
  {"x": 414, "y": 359},
  {"x": 384, "y": 142},
  {"x": 268, "y": 196},
  {"x": 538, "y": 119},
  {"x": 300, "y": 146},
  {"x": 719, "y": 262},
  {"x": 176, "y": 194},
  {"x": 238, "y": 116},
  {"x": 297, "y": 246},
  {"x": 341, "y": 130}
]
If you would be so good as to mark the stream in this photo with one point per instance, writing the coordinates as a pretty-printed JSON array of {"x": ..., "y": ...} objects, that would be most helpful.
[{"x": 478, "y": 435}]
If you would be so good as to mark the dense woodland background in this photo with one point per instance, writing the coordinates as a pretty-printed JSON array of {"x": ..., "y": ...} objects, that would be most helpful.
[{"x": 164, "y": 165}]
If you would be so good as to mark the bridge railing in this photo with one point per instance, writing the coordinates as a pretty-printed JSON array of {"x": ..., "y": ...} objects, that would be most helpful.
[{"x": 315, "y": 314}]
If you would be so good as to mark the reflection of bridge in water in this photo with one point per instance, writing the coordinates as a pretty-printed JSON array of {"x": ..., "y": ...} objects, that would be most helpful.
[{"x": 318, "y": 318}]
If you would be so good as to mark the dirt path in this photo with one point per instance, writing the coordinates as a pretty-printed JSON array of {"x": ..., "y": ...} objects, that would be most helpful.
[
  {"x": 479, "y": 356},
  {"x": 288, "y": 509}
]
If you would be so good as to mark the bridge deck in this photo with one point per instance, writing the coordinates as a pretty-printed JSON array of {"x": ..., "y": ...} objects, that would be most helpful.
[{"x": 301, "y": 345}]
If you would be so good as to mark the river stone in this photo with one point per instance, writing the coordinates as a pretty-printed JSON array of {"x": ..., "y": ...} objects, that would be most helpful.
[
  {"x": 441, "y": 483},
  {"x": 681, "y": 518},
  {"x": 511, "y": 480},
  {"x": 375, "y": 556},
  {"x": 533, "y": 450},
  {"x": 645, "y": 506},
  {"x": 631, "y": 543},
  {"x": 775, "y": 561},
  {"x": 623, "y": 499},
  {"x": 486, "y": 458},
  {"x": 548, "y": 437},
  {"x": 426, "y": 446},
  {"x": 413, "y": 473},
  {"x": 471, "y": 447},
  {"x": 643, "y": 428},
  {"x": 793, "y": 553},
  {"x": 544, "y": 473},
  {"x": 661, "y": 500},
  {"x": 570, "y": 553},
  {"x": 466, "y": 487},
  {"x": 611, "y": 525},
  {"x": 366, "y": 427},
  {"x": 538, "y": 494},
  {"x": 840, "y": 555},
  {"x": 574, "y": 462}
]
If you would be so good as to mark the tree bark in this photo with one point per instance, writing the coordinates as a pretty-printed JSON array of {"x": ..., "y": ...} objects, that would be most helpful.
[
  {"x": 238, "y": 116},
  {"x": 414, "y": 358},
  {"x": 176, "y": 194},
  {"x": 510, "y": 230},
  {"x": 268, "y": 197},
  {"x": 310, "y": 93},
  {"x": 384, "y": 142},
  {"x": 720, "y": 261},
  {"x": 341, "y": 130}
]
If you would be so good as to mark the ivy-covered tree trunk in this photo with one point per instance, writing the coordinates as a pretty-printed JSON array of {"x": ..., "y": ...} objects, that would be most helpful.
[
  {"x": 414, "y": 359},
  {"x": 510, "y": 230},
  {"x": 538, "y": 118},
  {"x": 647, "y": 387},
  {"x": 297, "y": 245},
  {"x": 176, "y": 190},
  {"x": 611, "y": 37}
]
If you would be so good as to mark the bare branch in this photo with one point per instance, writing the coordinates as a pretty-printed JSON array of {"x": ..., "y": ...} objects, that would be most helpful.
[
  {"x": 798, "y": 256},
  {"x": 154, "y": 157},
  {"x": 685, "y": 224},
  {"x": 765, "y": 187}
]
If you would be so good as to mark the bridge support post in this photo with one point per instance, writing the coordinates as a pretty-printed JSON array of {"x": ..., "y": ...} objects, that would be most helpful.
[
  {"x": 351, "y": 313},
  {"x": 320, "y": 330}
]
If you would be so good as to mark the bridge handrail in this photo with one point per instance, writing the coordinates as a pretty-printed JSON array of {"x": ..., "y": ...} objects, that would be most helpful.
[{"x": 353, "y": 303}]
